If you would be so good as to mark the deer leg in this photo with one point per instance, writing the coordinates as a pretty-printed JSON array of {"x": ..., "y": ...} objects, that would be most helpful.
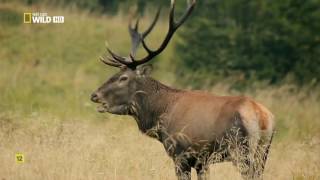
[
  {"x": 243, "y": 157},
  {"x": 182, "y": 168},
  {"x": 183, "y": 172},
  {"x": 245, "y": 166},
  {"x": 203, "y": 172},
  {"x": 261, "y": 155},
  {"x": 250, "y": 160}
]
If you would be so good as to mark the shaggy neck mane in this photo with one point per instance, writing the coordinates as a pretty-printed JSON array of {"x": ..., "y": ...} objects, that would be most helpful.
[{"x": 151, "y": 101}]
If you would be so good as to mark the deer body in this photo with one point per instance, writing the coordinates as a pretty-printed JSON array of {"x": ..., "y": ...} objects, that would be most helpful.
[
  {"x": 191, "y": 123},
  {"x": 196, "y": 128}
]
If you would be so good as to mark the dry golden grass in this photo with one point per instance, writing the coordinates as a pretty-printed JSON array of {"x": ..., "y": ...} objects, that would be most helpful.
[
  {"x": 45, "y": 112},
  {"x": 114, "y": 148},
  {"x": 59, "y": 147}
]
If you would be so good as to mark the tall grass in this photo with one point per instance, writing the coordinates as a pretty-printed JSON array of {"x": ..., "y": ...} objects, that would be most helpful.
[
  {"x": 47, "y": 73},
  {"x": 49, "y": 67}
]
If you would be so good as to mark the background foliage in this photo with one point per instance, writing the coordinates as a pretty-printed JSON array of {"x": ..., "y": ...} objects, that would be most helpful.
[
  {"x": 253, "y": 40},
  {"x": 242, "y": 41}
]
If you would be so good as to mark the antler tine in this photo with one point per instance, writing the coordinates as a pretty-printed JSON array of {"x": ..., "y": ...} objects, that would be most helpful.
[
  {"x": 171, "y": 15},
  {"x": 112, "y": 60},
  {"x": 136, "y": 26},
  {"x": 146, "y": 32},
  {"x": 186, "y": 14},
  {"x": 173, "y": 26},
  {"x": 136, "y": 37},
  {"x": 132, "y": 57},
  {"x": 146, "y": 47},
  {"x": 111, "y": 63},
  {"x": 118, "y": 58}
]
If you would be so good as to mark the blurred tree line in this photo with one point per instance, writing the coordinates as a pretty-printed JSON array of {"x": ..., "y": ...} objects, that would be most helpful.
[
  {"x": 104, "y": 6},
  {"x": 264, "y": 40},
  {"x": 242, "y": 40}
]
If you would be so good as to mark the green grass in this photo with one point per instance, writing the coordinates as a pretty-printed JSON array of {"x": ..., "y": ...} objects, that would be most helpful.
[
  {"x": 46, "y": 68},
  {"x": 47, "y": 73}
]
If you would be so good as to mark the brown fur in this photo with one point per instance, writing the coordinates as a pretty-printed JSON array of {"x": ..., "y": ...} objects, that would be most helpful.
[
  {"x": 194, "y": 125},
  {"x": 196, "y": 128}
]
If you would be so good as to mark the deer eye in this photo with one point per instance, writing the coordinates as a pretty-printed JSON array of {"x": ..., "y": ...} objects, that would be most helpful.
[{"x": 123, "y": 78}]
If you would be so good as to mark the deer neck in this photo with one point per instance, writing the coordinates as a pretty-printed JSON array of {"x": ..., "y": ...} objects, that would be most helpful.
[{"x": 151, "y": 102}]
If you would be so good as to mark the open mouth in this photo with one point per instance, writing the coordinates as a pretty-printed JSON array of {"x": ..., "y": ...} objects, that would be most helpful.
[
  {"x": 118, "y": 109},
  {"x": 102, "y": 108}
]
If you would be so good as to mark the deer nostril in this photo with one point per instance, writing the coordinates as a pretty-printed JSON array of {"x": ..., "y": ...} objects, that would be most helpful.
[{"x": 94, "y": 97}]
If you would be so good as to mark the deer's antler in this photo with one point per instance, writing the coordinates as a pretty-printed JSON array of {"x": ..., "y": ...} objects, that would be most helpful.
[{"x": 137, "y": 38}]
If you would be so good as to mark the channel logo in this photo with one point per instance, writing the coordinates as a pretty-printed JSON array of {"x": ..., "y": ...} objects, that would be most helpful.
[{"x": 41, "y": 18}]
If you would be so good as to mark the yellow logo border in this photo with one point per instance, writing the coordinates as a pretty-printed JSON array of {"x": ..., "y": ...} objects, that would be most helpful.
[{"x": 27, "y": 20}]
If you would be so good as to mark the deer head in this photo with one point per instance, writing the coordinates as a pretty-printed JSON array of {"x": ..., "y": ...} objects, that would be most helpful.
[{"x": 116, "y": 94}]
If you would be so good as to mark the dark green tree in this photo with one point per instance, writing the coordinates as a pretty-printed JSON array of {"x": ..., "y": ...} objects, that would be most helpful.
[{"x": 251, "y": 40}]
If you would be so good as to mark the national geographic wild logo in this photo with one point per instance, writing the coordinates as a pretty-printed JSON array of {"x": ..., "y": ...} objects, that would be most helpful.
[{"x": 41, "y": 18}]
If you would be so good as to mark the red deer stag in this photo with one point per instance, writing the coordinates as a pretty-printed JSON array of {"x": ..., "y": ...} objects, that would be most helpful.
[{"x": 196, "y": 128}]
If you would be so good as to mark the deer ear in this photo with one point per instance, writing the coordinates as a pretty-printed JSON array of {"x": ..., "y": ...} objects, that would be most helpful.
[{"x": 144, "y": 70}]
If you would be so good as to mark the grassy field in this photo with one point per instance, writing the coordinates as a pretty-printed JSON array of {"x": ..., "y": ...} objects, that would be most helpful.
[{"x": 47, "y": 73}]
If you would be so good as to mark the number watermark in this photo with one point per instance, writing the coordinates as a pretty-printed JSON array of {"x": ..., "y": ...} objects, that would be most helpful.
[{"x": 19, "y": 158}]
